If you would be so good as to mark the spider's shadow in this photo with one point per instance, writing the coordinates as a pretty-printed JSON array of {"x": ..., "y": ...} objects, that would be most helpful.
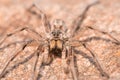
[
  {"x": 76, "y": 51},
  {"x": 91, "y": 59},
  {"x": 18, "y": 64},
  {"x": 99, "y": 38}
]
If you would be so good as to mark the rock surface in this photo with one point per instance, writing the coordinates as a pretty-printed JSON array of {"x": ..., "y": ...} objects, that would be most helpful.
[{"x": 104, "y": 16}]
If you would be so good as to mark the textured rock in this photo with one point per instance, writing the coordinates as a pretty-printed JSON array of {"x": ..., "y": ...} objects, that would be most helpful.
[{"x": 104, "y": 16}]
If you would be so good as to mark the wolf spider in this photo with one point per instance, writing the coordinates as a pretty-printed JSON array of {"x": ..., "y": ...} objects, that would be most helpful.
[{"x": 56, "y": 43}]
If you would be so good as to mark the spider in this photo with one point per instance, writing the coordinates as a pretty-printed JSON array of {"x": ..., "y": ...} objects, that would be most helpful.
[{"x": 56, "y": 44}]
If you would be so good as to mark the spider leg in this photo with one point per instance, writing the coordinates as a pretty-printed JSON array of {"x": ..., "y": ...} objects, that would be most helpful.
[
  {"x": 25, "y": 60},
  {"x": 46, "y": 59},
  {"x": 71, "y": 63},
  {"x": 14, "y": 43},
  {"x": 42, "y": 15},
  {"x": 36, "y": 36},
  {"x": 79, "y": 20},
  {"x": 103, "y": 73},
  {"x": 105, "y": 33},
  {"x": 36, "y": 61},
  {"x": 38, "y": 75},
  {"x": 12, "y": 58},
  {"x": 47, "y": 56},
  {"x": 65, "y": 66},
  {"x": 39, "y": 50},
  {"x": 21, "y": 62},
  {"x": 75, "y": 42},
  {"x": 97, "y": 38}
]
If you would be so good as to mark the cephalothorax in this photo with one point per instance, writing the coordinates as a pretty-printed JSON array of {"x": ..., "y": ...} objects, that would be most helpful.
[{"x": 57, "y": 40}]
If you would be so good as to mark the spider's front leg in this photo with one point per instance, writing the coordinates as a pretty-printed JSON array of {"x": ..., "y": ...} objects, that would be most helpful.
[
  {"x": 80, "y": 19},
  {"x": 34, "y": 9}
]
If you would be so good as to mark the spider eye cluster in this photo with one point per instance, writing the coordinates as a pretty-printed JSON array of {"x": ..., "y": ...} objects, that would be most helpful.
[{"x": 56, "y": 33}]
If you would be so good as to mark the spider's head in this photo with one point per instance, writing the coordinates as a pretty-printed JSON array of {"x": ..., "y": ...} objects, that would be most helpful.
[{"x": 58, "y": 26}]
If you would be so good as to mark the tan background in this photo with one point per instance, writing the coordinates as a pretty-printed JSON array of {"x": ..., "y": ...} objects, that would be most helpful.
[{"x": 104, "y": 16}]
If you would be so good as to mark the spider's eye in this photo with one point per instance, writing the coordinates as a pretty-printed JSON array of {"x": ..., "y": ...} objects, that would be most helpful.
[
  {"x": 59, "y": 32},
  {"x": 53, "y": 33}
]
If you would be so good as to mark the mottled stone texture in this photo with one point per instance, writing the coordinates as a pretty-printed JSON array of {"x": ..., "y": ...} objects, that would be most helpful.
[{"x": 104, "y": 16}]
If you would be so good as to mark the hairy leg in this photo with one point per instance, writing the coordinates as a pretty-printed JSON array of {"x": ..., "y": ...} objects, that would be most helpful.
[
  {"x": 19, "y": 63},
  {"x": 97, "y": 64},
  {"x": 16, "y": 53},
  {"x": 71, "y": 63},
  {"x": 75, "y": 43},
  {"x": 14, "y": 43},
  {"x": 38, "y": 53},
  {"x": 37, "y": 74},
  {"x": 79, "y": 20},
  {"x": 36, "y": 61},
  {"x": 105, "y": 33},
  {"x": 33, "y": 33},
  {"x": 45, "y": 23}
]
